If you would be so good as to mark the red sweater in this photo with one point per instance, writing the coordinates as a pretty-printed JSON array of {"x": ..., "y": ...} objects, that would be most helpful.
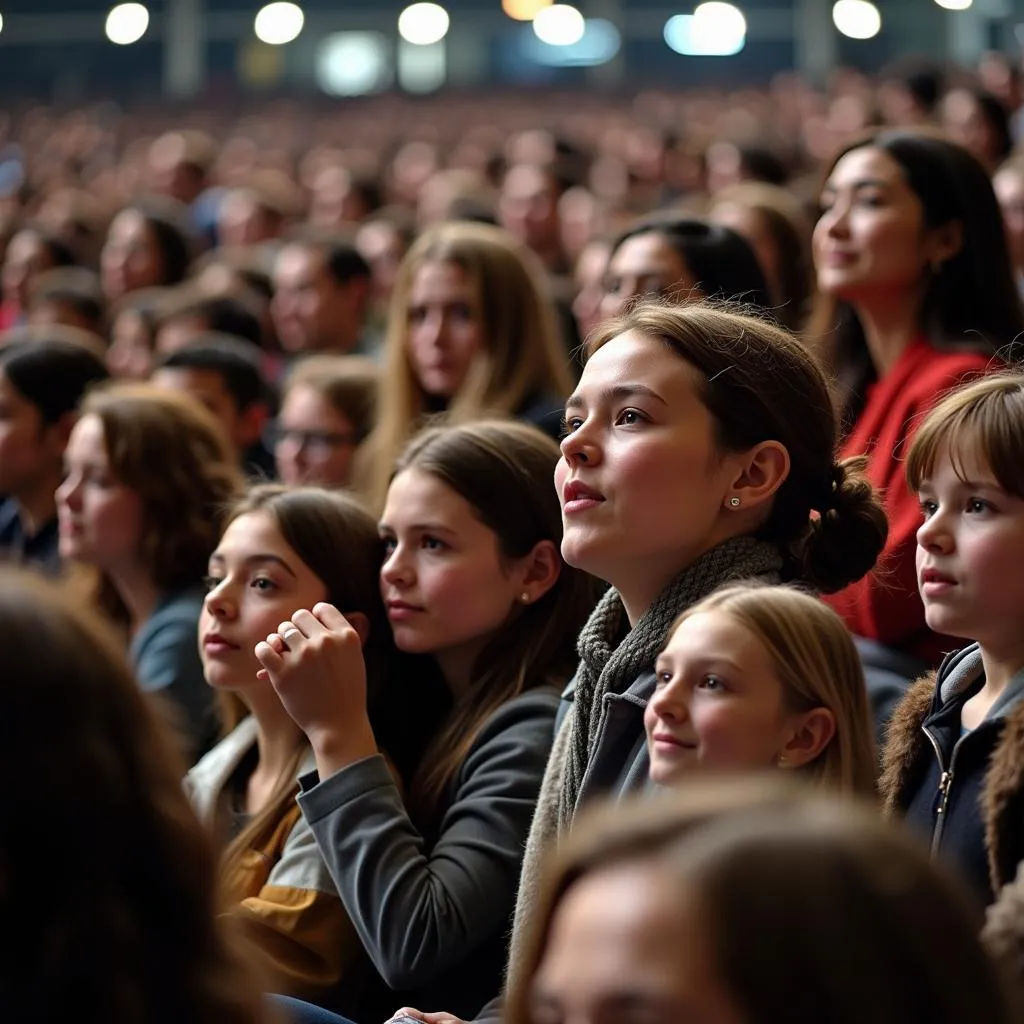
[{"x": 885, "y": 605}]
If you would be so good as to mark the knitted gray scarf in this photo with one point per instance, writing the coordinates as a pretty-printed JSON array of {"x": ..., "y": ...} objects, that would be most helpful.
[{"x": 610, "y": 666}]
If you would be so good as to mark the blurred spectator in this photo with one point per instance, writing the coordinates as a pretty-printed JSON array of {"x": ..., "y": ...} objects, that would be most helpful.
[
  {"x": 148, "y": 245},
  {"x": 343, "y": 199},
  {"x": 472, "y": 330},
  {"x": 188, "y": 312},
  {"x": 223, "y": 373},
  {"x": 591, "y": 267},
  {"x": 142, "y": 942},
  {"x": 68, "y": 295},
  {"x": 909, "y": 92},
  {"x": 327, "y": 410},
  {"x": 133, "y": 323},
  {"x": 178, "y": 165},
  {"x": 528, "y": 209},
  {"x": 777, "y": 229},
  {"x": 980, "y": 123},
  {"x": 29, "y": 252},
  {"x": 321, "y": 296},
  {"x": 148, "y": 476},
  {"x": 1009, "y": 188},
  {"x": 41, "y": 385},
  {"x": 685, "y": 259}
]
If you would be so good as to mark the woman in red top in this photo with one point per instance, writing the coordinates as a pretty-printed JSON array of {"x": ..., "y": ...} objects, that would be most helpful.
[{"x": 917, "y": 295}]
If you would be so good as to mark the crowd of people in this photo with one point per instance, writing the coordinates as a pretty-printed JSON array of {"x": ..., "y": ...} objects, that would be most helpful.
[{"x": 491, "y": 561}]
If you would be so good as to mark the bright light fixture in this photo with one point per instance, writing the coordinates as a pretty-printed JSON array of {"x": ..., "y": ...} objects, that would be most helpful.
[
  {"x": 715, "y": 29},
  {"x": 127, "y": 23},
  {"x": 857, "y": 19},
  {"x": 423, "y": 24},
  {"x": 559, "y": 25},
  {"x": 279, "y": 23},
  {"x": 524, "y": 10},
  {"x": 955, "y": 5}
]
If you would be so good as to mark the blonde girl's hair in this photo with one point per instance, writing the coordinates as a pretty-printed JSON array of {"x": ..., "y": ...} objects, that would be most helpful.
[
  {"x": 983, "y": 419},
  {"x": 523, "y": 354},
  {"x": 815, "y": 660},
  {"x": 805, "y": 903}
]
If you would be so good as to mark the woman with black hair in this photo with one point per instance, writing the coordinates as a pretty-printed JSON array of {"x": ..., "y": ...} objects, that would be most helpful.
[
  {"x": 149, "y": 244},
  {"x": 917, "y": 294},
  {"x": 681, "y": 258}
]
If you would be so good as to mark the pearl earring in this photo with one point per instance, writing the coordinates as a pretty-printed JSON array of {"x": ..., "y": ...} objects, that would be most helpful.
[
  {"x": 524, "y": 597},
  {"x": 734, "y": 502}
]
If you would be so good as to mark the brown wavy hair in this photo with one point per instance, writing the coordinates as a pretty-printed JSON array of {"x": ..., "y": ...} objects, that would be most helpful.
[
  {"x": 337, "y": 538},
  {"x": 806, "y": 904},
  {"x": 173, "y": 453},
  {"x": 132, "y": 932}
]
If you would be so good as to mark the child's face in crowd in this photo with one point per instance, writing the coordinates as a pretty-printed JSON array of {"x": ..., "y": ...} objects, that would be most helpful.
[
  {"x": 101, "y": 518},
  {"x": 641, "y": 482},
  {"x": 256, "y": 582},
  {"x": 444, "y": 333},
  {"x": 719, "y": 704},
  {"x": 446, "y": 586},
  {"x": 620, "y": 950},
  {"x": 970, "y": 548},
  {"x": 315, "y": 442}
]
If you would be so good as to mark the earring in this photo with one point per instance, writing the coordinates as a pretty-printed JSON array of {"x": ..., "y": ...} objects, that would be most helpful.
[
  {"x": 734, "y": 502},
  {"x": 780, "y": 761},
  {"x": 524, "y": 597}
]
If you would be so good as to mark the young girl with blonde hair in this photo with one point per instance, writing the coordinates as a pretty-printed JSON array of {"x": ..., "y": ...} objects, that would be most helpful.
[
  {"x": 755, "y": 677},
  {"x": 472, "y": 331},
  {"x": 699, "y": 451}
]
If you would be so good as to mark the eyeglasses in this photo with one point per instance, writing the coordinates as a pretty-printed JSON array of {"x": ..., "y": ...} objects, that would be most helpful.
[{"x": 318, "y": 443}]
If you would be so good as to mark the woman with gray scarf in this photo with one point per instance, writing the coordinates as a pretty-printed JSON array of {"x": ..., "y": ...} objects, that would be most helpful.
[{"x": 700, "y": 450}]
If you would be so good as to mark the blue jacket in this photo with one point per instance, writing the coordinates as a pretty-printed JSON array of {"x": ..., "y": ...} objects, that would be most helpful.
[{"x": 165, "y": 655}]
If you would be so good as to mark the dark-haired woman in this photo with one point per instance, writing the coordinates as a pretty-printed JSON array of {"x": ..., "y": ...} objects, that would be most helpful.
[
  {"x": 682, "y": 259},
  {"x": 917, "y": 295},
  {"x": 41, "y": 386},
  {"x": 148, "y": 245}
]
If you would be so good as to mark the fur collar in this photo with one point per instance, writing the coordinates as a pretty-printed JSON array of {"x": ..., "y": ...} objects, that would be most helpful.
[{"x": 905, "y": 761}]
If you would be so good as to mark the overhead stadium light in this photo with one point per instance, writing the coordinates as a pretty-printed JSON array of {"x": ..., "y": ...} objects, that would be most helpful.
[
  {"x": 857, "y": 19},
  {"x": 127, "y": 23},
  {"x": 423, "y": 24},
  {"x": 279, "y": 23}
]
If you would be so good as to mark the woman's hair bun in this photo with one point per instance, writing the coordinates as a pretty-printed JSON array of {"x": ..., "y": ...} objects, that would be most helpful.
[{"x": 844, "y": 540}]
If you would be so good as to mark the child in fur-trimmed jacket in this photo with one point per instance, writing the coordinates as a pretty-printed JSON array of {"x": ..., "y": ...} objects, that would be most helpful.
[{"x": 954, "y": 755}]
